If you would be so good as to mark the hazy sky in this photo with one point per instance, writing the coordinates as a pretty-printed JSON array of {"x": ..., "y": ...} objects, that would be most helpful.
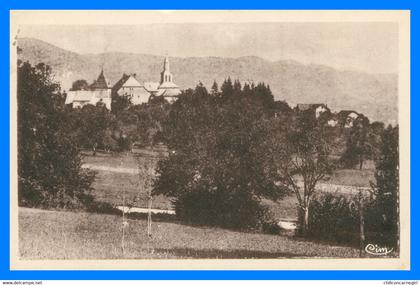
[{"x": 369, "y": 47}]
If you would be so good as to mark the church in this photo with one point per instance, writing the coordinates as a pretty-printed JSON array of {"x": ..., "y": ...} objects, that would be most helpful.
[{"x": 128, "y": 85}]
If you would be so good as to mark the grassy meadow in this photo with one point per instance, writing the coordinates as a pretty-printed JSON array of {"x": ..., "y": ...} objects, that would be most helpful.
[
  {"x": 78, "y": 235},
  {"x": 117, "y": 179}
]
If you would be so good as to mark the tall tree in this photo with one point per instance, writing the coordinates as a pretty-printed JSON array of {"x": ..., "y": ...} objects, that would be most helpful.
[
  {"x": 92, "y": 124},
  {"x": 303, "y": 161},
  {"x": 227, "y": 89},
  {"x": 264, "y": 94},
  {"x": 49, "y": 166},
  {"x": 214, "y": 89},
  {"x": 358, "y": 145},
  {"x": 387, "y": 182},
  {"x": 237, "y": 87}
]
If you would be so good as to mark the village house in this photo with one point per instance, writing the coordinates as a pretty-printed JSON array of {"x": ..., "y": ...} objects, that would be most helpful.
[
  {"x": 346, "y": 118},
  {"x": 317, "y": 109},
  {"x": 129, "y": 86},
  {"x": 332, "y": 122},
  {"x": 343, "y": 118}
]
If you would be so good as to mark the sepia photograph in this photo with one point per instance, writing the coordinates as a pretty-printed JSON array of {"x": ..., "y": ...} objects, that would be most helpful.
[{"x": 210, "y": 139}]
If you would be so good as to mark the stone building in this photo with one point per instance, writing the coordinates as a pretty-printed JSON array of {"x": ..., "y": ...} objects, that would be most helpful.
[{"x": 129, "y": 86}]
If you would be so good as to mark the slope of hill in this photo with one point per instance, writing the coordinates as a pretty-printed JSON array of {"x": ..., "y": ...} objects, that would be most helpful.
[{"x": 375, "y": 95}]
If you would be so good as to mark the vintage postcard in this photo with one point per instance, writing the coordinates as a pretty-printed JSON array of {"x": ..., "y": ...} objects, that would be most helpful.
[{"x": 210, "y": 140}]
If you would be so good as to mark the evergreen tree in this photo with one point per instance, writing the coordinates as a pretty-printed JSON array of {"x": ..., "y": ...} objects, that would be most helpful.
[
  {"x": 214, "y": 89},
  {"x": 237, "y": 88},
  {"x": 200, "y": 90},
  {"x": 265, "y": 95},
  {"x": 247, "y": 90},
  {"x": 227, "y": 89}
]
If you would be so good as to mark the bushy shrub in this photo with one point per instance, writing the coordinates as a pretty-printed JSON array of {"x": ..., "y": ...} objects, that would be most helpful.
[
  {"x": 221, "y": 209},
  {"x": 156, "y": 217},
  {"x": 270, "y": 225},
  {"x": 332, "y": 217},
  {"x": 335, "y": 217},
  {"x": 103, "y": 208}
]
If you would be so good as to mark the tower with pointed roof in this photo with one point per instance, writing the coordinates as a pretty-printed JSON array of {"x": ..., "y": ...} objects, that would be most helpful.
[
  {"x": 166, "y": 75},
  {"x": 167, "y": 88},
  {"x": 101, "y": 82},
  {"x": 99, "y": 92}
]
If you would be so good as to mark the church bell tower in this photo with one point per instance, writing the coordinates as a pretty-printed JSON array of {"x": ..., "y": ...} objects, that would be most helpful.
[{"x": 166, "y": 75}]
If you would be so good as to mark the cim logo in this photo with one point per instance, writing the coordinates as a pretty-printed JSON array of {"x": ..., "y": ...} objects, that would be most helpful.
[{"x": 374, "y": 249}]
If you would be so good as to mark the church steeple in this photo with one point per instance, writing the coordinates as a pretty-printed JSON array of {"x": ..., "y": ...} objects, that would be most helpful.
[
  {"x": 166, "y": 64},
  {"x": 165, "y": 75},
  {"x": 167, "y": 88}
]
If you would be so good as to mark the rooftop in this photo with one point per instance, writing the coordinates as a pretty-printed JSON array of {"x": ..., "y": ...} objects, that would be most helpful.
[{"x": 100, "y": 83}]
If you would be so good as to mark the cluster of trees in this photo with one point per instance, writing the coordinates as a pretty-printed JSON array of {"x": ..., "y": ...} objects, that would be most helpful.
[
  {"x": 143, "y": 123},
  {"x": 96, "y": 128},
  {"x": 363, "y": 141},
  {"x": 220, "y": 166},
  {"x": 51, "y": 136},
  {"x": 337, "y": 217},
  {"x": 234, "y": 146}
]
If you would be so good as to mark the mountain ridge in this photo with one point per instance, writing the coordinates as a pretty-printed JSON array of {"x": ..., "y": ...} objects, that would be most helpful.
[{"x": 374, "y": 95}]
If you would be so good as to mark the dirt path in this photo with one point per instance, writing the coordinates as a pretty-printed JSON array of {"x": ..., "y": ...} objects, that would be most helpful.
[
  {"x": 145, "y": 210},
  {"x": 111, "y": 169}
]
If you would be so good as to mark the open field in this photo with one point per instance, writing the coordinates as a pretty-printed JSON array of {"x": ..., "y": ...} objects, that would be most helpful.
[
  {"x": 117, "y": 173},
  {"x": 117, "y": 177},
  {"x": 69, "y": 235}
]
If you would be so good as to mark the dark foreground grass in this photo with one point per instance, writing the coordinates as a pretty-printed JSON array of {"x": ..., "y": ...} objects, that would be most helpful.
[{"x": 68, "y": 235}]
